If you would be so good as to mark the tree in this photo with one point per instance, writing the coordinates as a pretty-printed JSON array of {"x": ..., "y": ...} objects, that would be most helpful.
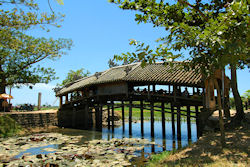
[
  {"x": 247, "y": 94},
  {"x": 111, "y": 63},
  {"x": 21, "y": 53},
  {"x": 74, "y": 75},
  {"x": 215, "y": 32}
]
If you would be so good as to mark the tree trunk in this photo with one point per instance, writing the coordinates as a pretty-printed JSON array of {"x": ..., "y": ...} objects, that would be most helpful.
[
  {"x": 2, "y": 85},
  {"x": 2, "y": 90},
  {"x": 221, "y": 122},
  {"x": 238, "y": 102}
]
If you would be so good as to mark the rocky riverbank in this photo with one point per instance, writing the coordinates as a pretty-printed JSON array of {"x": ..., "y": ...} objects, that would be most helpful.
[{"x": 55, "y": 149}]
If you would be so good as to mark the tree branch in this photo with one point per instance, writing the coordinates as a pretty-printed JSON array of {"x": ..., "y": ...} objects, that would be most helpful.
[
  {"x": 33, "y": 62},
  {"x": 192, "y": 6}
]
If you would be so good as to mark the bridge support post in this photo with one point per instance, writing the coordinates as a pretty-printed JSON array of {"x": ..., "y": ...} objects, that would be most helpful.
[
  {"x": 197, "y": 122},
  {"x": 123, "y": 117},
  {"x": 152, "y": 118},
  {"x": 173, "y": 120},
  {"x": 108, "y": 107},
  {"x": 98, "y": 117},
  {"x": 163, "y": 119},
  {"x": 178, "y": 123},
  {"x": 113, "y": 116},
  {"x": 86, "y": 116},
  {"x": 142, "y": 118},
  {"x": 188, "y": 123},
  {"x": 130, "y": 117}
]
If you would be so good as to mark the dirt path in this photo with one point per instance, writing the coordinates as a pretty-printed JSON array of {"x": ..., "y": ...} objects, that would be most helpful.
[{"x": 31, "y": 112}]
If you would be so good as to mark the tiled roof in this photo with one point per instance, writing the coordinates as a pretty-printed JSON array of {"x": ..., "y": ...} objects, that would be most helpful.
[
  {"x": 157, "y": 73},
  {"x": 164, "y": 74},
  {"x": 76, "y": 85},
  {"x": 116, "y": 73}
]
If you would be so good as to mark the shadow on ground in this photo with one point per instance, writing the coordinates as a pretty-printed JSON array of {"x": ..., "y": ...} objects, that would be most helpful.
[{"x": 208, "y": 150}]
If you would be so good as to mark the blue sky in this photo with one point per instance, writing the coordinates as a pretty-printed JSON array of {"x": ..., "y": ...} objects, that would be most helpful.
[{"x": 98, "y": 30}]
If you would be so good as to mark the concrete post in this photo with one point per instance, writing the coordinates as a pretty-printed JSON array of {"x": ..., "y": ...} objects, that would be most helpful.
[{"x": 39, "y": 101}]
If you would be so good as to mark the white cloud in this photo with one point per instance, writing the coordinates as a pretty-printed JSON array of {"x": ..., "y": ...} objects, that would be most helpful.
[{"x": 43, "y": 86}]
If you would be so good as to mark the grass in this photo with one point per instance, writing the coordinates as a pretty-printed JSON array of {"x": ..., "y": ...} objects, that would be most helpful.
[
  {"x": 159, "y": 157},
  {"x": 207, "y": 151},
  {"x": 46, "y": 108},
  {"x": 136, "y": 112},
  {"x": 8, "y": 126},
  {"x": 42, "y": 108}
]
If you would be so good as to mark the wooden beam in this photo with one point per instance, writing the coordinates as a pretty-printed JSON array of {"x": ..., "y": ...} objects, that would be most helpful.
[
  {"x": 123, "y": 117},
  {"x": 188, "y": 123},
  {"x": 130, "y": 117},
  {"x": 178, "y": 123},
  {"x": 163, "y": 119},
  {"x": 152, "y": 117},
  {"x": 142, "y": 118},
  {"x": 173, "y": 120}
]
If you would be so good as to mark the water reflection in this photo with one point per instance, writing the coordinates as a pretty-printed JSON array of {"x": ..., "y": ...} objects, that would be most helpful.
[{"x": 163, "y": 141}]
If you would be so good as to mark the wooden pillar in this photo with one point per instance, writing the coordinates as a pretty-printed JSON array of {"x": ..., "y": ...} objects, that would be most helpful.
[
  {"x": 173, "y": 144},
  {"x": 153, "y": 88},
  {"x": 67, "y": 98},
  {"x": 197, "y": 122},
  {"x": 113, "y": 116},
  {"x": 142, "y": 118},
  {"x": 97, "y": 112},
  {"x": 178, "y": 122},
  {"x": 123, "y": 117},
  {"x": 86, "y": 116},
  {"x": 152, "y": 117},
  {"x": 173, "y": 120},
  {"x": 152, "y": 147},
  {"x": 164, "y": 144},
  {"x": 169, "y": 89},
  {"x": 98, "y": 117},
  {"x": 163, "y": 119},
  {"x": 61, "y": 100},
  {"x": 108, "y": 116},
  {"x": 148, "y": 91},
  {"x": 73, "y": 119},
  {"x": 179, "y": 144},
  {"x": 188, "y": 123},
  {"x": 174, "y": 92},
  {"x": 130, "y": 117}
]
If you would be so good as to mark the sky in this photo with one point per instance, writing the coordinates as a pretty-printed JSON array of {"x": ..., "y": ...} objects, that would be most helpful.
[{"x": 99, "y": 30}]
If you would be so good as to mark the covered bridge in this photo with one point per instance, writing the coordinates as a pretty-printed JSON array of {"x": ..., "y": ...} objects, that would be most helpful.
[{"x": 131, "y": 85}]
